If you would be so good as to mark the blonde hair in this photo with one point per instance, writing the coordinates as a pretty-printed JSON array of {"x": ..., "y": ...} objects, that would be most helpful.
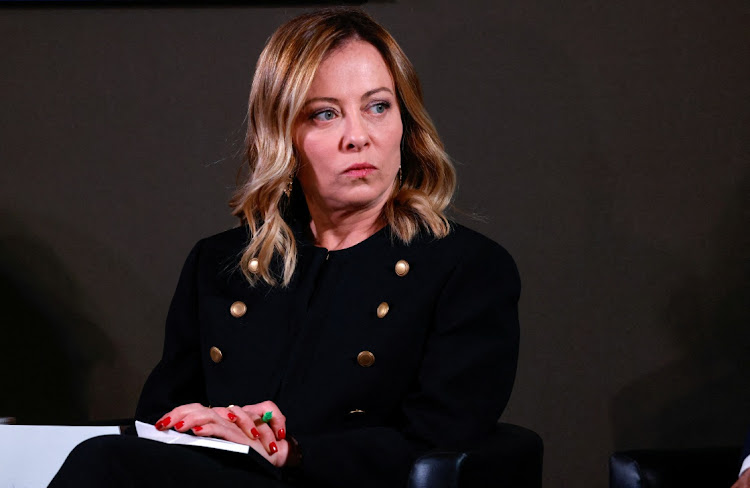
[{"x": 283, "y": 75}]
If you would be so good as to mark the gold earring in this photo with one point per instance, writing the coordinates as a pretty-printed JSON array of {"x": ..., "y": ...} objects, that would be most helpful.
[{"x": 290, "y": 183}]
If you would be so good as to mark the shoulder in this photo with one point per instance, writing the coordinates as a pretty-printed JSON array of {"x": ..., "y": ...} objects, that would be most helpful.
[
  {"x": 227, "y": 243},
  {"x": 466, "y": 238},
  {"x": 484, "y": 256},
  {"x": 464, "y": 256},
  {"x": 217, "y": 254},
  {"x": 466, "y": 246},
  {"x": 229, "y": 239}
]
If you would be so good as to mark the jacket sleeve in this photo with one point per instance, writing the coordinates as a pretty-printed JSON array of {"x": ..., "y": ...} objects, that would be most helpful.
[
  {"x": 178, "y": 377},
  {"x": 464, "y": 382}
]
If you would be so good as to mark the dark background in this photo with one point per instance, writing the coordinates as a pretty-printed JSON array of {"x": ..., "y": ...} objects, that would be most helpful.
[{"x": 605, "y": 143}]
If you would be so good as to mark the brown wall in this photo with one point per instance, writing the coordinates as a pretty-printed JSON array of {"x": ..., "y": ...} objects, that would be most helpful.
[{"x": 607, "y": 146}]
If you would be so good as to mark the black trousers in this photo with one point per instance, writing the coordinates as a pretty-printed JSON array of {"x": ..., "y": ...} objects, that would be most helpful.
[{"x": 131, "y": 462}]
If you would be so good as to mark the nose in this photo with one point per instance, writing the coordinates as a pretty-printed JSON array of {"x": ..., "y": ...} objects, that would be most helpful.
[{"x": 356, "y": 136}]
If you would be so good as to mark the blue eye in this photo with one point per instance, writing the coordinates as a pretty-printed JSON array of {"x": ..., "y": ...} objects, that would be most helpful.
[
  {"x": 380, "y": 107},
  {"x": 324, "y": 115}
]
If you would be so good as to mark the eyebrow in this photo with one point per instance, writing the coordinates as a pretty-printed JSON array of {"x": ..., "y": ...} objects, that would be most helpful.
[{"x": 336, "y": 100}]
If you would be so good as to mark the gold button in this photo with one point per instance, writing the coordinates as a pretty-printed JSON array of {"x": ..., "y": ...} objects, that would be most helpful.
[
  {"x": 383, "y": 310},
  {"x": 253, "y": 265},
  {"x": 238, "y": 309},
  {"x": 366, "y": 359},
  {"x": 402, "y": 267},
  {"x": 216, "y": 355}
]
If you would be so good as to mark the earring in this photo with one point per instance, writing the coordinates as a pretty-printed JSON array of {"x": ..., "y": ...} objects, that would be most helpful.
[
  {"x": 400, "y": 178},
  {"x": 290, "y": 183}
]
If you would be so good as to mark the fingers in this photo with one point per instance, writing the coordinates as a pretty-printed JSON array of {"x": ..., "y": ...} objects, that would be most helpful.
[
  {"x": 174, "y": 416},
  {"x": 223, "y": 430},
  {"x": 193, "y": 416},
  {"x": 199, "y": 419},
  {"x": 256, "y": 430},
  {"x": 278, "y": 458},
  {"x": 235, "y": 424},
  {"x": 259, "y": 434},
  {"x": 244, "y": 422},
  {"x": 277, "y": 423}
]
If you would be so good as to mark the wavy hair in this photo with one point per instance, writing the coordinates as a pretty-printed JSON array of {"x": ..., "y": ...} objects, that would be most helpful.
[{"x": 283, "y": 75}]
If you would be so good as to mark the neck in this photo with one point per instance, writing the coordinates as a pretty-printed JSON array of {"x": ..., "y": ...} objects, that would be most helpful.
[{"x": 339, "y": 230}]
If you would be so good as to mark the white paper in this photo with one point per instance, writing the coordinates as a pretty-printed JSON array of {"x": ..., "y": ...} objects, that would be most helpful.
[
  {"x": 170, "y": 436},
  {"x": 31, "y": 455},
  {"x": 745, "y": 465}
]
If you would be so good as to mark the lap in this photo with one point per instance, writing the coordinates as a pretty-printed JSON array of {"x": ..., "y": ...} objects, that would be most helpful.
[{"x": 128, "y": 461}]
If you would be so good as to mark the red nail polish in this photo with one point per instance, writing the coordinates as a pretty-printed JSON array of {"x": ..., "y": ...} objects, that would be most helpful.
[
  {"x": 273, "y": 448},
  {"x": 232, "y": 417},
  {"x": 162, "y": 424},
  {"x": 282, "y": 434},
  {"x": 179, "y": 425},
  {"x": 197, "y": 428},
  {"x": 255, "y": 432}
]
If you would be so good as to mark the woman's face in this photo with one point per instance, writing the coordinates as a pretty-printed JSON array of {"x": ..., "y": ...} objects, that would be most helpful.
[{"x": 348, "y": 135}]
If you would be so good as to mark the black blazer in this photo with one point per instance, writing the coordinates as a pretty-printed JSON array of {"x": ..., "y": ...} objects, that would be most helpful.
[{"x": 444, "y": 354}]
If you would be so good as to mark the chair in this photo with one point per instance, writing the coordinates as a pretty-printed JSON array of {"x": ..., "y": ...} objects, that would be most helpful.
[
  {"x": 510, "y": 458},
  {"x": 674, "y": 468}
]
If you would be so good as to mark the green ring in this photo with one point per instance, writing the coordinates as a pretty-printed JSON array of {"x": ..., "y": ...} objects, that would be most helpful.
[{"x": 266, "y": 417}]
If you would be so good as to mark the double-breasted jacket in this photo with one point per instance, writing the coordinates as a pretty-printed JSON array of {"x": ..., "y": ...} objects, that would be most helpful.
[{"x": 375, "y": 353}]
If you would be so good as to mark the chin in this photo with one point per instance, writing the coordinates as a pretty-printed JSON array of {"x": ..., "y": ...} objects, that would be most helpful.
[{"x": 360, "y": 202}]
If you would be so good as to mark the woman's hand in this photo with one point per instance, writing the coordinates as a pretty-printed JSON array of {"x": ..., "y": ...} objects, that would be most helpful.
[
  {"x": 235, "y": 424},
  {"x": 271, "y": 434}
]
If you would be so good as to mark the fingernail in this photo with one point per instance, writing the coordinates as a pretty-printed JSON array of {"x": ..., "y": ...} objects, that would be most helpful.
[
  {"x": 162, "y": 424},
  {"x": 273, "y": 448},
  {"x": 232, "y": 416},
  {"x": 255, "y": 432},
  {"x": 197, "y": 428},
  {"x": 282, "y": 434},
  {"x": 179, "y": 425}
]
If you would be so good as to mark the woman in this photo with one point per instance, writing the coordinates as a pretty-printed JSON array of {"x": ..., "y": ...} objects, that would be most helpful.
[{"x": 346, "y": 304}]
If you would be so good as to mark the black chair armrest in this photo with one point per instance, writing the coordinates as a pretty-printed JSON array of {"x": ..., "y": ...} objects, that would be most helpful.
[
  {"x": 511, "y": 457},
  {"x": 439, "y": 469},
  {"x": 673, "y": 468}
]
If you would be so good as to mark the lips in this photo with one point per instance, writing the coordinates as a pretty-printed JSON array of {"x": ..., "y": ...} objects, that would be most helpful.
[{"x": 359, "y": 170}]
